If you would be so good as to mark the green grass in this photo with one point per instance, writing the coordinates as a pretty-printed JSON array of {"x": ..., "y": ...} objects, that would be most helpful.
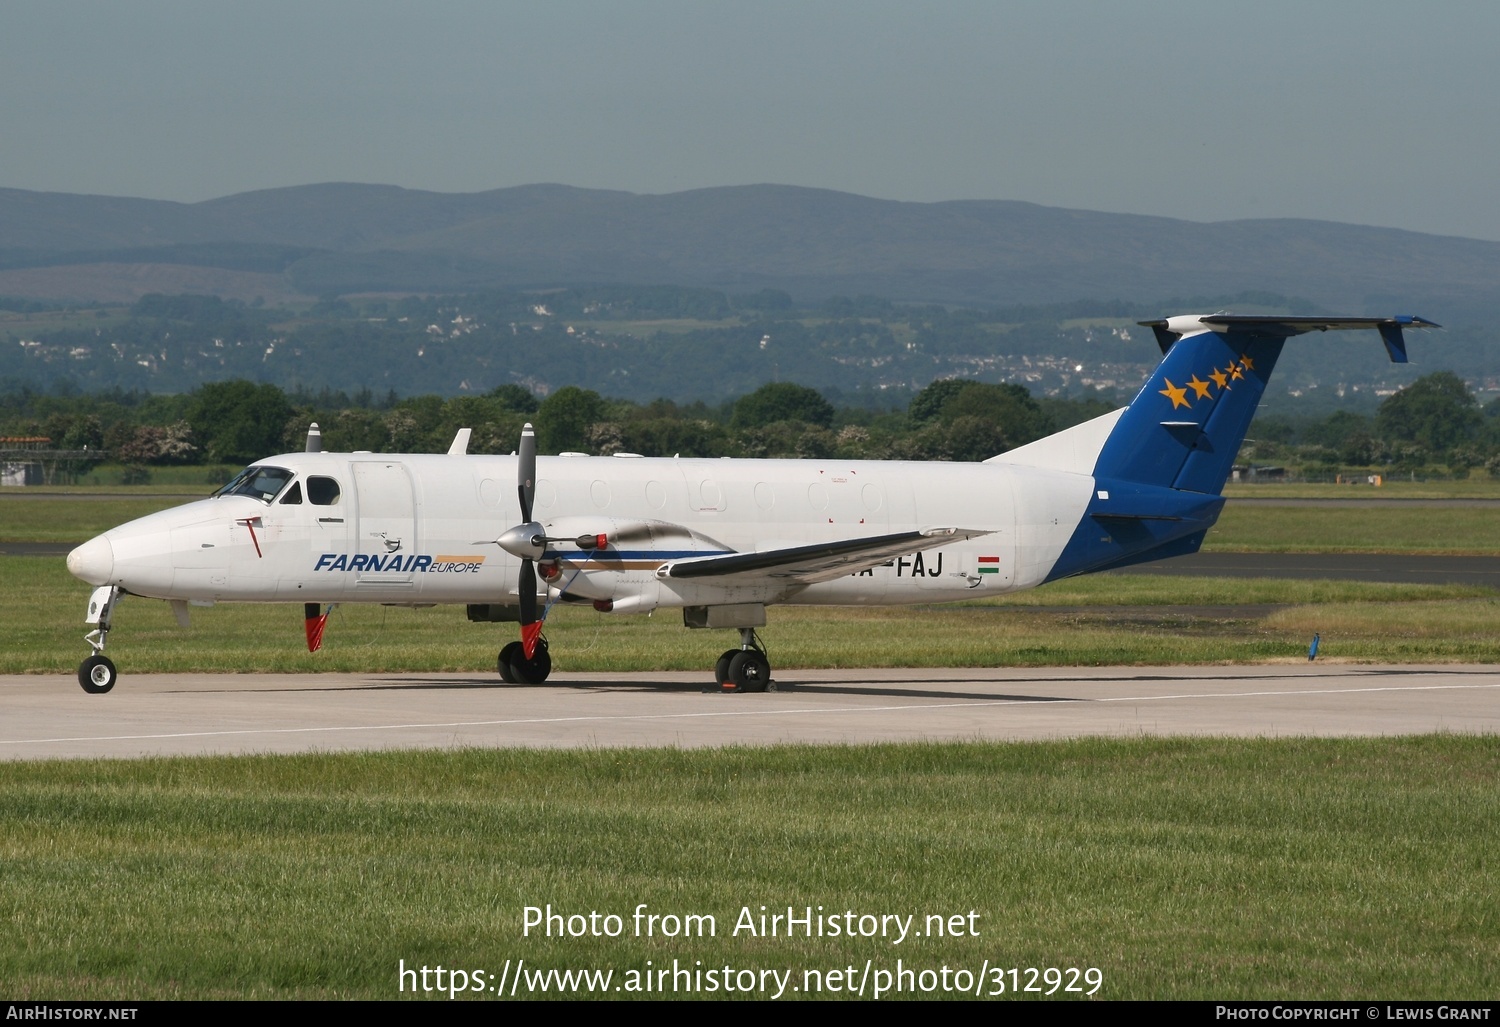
[
  {"x": 1169, "y": 590},
  {"x": 1193, "y": 869},
  {"x": 1477, "y": 486},
  {"x": 1376, "y": 529},
  {"x": 42, "y": 608},
  {"x": 63, "y": 519},
  {"x": 182, "y": 484}
]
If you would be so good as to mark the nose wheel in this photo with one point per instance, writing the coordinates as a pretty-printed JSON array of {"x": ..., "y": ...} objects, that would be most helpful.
[{"x": 97, "y": 674}]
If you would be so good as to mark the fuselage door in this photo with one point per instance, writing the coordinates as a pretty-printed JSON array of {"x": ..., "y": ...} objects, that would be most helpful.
[{"x": 387, "y": 537}]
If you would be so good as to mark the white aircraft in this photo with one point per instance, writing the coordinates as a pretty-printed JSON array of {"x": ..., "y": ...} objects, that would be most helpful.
[{"x": 719, "y": 539}]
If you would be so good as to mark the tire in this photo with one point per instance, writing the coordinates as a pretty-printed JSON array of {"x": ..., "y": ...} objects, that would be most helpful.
[
  {"x": 535, "y": 670},
  {"x": 97, "y": 674},
  {"x": 721, "y": 669},
  {"x": 749, "y": 671},
  {"x": 511, "y": 650}
]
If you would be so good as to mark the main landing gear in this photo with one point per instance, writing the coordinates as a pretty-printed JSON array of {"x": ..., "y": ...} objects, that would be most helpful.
[
  {"x": 97, "y": 674},
  {"x": 516, "y": 669},
  {"x": 745, "y": 669}
]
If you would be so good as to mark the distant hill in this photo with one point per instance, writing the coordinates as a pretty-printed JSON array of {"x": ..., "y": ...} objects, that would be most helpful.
[{"x": 327, "y": 239}]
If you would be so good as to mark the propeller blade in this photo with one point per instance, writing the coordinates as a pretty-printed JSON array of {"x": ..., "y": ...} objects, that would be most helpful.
[
  {"x": 528, "y": 541},
  {"x": 526, "y": 471}
]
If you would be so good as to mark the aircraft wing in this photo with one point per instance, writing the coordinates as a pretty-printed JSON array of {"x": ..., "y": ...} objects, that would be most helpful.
[{"x": 822, "y": 561}]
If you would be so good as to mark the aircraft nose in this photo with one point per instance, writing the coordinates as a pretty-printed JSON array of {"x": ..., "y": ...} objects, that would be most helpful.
[{"x": 94, "y": 561}]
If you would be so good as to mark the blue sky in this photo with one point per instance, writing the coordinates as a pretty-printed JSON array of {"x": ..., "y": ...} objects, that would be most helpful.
[{"x": 1376, "y": 113}]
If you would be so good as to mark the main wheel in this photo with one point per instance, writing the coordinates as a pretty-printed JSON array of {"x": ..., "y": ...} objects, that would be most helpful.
[
  {"x": 511, "y": 650},
  {"x": 721, "y": 669},
  {"x": 97, "y": 674},
  {"x": 749, "y": 671},
  {"x": 533, "y": 671}
]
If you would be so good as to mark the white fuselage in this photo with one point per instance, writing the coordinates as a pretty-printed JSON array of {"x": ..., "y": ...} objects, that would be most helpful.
[{"x": 418, "y": 529}]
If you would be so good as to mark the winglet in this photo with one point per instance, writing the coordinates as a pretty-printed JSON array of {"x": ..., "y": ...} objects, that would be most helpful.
[
  {"x": 1395, "y": 342},
  {"x": 460, "y": 446}
]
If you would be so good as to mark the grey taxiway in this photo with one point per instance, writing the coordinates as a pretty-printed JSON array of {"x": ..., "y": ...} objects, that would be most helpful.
[{"x": 171, "y": 714}]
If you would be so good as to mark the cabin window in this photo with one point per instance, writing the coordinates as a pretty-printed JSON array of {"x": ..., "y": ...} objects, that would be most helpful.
[
  {"x": 260, "y": 482},
  {"x": 293, "y": 495},
  {"x": 322, "y": 491}
]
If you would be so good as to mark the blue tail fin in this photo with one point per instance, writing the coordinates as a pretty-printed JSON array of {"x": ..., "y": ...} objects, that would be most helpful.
[
  {"x": 1184, "y": 429},
  {"x": 1160, "y": 470}
]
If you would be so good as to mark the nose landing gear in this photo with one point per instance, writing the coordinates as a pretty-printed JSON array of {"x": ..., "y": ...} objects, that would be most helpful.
[{"x": 97, "y": 674}]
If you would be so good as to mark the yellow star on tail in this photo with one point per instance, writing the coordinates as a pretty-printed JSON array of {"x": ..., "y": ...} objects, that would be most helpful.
[
  {"x": 1201, "y": 388},
  {"x": 1177, "y": 395},
  {"x": 1220, "y": 378},
  {"x": 1249, "y": 364}
]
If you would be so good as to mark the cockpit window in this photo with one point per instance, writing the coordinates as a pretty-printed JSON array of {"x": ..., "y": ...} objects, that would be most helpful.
[
  {"x": 293, "y": 495},
  {"x": 322, "y": 491},
  {"x": 258, "y": 481}
]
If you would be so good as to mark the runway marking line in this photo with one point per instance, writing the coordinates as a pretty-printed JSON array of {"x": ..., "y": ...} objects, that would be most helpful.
[{"x": 737, "y": 713}]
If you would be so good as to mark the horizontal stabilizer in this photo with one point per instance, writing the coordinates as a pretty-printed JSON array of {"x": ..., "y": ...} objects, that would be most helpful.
[
  {"x": 1169, "y": 330},
  {"x": 821, "y": 561}
]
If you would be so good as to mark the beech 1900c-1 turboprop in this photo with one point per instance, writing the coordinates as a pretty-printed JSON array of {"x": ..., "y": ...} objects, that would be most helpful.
[{"x": 719, "y": 539}]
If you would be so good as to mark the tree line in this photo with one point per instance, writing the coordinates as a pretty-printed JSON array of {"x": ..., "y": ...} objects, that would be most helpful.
[{"x": 1434, "y": 425}]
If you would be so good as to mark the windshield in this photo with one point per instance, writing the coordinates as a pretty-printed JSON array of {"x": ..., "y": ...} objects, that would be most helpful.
[{"x": 261, "y": 482}]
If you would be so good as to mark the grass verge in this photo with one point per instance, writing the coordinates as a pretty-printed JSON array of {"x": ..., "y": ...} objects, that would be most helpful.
[
  {"x": 55, "y": 518},
  {"x": 1477, "y": 486},
  {"x": 1353, "y": 529},
  {"x": 1196, "y": 869}
]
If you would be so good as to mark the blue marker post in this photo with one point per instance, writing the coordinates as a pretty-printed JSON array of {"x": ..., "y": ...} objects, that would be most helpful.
[{"x": 1312, "y": 650}]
